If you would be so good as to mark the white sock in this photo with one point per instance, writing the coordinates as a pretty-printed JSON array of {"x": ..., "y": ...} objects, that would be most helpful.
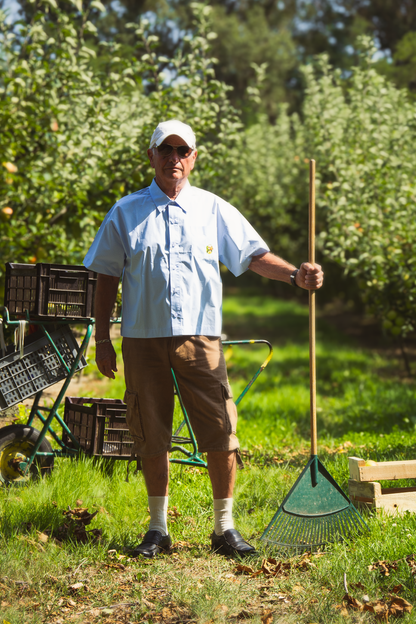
[
  {"x": 158, "y": 507},
  {"x": 223, "y": 515}
]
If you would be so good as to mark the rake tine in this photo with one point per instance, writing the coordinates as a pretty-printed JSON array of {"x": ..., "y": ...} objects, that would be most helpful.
[
  {"x": 289, "y": 532},
  {"x": 348, "y": 524}
]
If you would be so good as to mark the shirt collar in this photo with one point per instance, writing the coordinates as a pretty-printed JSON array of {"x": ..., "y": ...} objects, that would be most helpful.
[{"x": 161, "y": 200}]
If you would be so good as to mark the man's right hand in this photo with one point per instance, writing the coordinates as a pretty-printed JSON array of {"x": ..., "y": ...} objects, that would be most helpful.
[{"x": 106, "y": 359}]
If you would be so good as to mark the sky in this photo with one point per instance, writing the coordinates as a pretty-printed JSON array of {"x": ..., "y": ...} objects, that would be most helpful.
[{"x": 11, "y": 7}]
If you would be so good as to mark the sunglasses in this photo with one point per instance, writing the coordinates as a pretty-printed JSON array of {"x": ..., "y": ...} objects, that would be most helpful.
[{"x": 166, "y": 150}]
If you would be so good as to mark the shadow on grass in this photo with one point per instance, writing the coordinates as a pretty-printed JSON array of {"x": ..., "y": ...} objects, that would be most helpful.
[{"x": 276, "y": 320}]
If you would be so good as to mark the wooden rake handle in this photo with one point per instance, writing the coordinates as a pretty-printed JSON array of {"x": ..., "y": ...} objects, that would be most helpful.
[{"x": 312, "y": 337}]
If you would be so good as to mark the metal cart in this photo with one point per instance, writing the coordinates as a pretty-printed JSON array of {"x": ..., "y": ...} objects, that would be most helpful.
[{"x": 51, "y": 298}]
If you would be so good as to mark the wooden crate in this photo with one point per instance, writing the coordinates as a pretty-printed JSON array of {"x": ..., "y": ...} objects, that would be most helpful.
[{"x": 365, "y": 491}]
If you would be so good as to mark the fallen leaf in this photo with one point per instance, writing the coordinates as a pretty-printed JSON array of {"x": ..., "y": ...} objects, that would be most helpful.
[
  {"x": 42, "y": 537},
  {"x": 379, "y": 607},
  {"x": 104, "y": 511},
  {"x": 398, "y": 606},
  {"x": 411, "y": 563},
  {"x": 222, "y": 608},
  {"x": 352, "y": 603},
  {"x": 80, "y": 514},
  {"x": 148, "y": 604},
  {"x": 117, "y": 566},
  {"x": 268, "y": 568},
  {"x": 76, "y": 587},
  {"x": 272, "y": 567},
  {"x": 95, "y": 612},
  {"x": 182, "y": 544},
  {"x": 267, "y": 617},
  {"x": 384, "y": 567},
  {"x": 244, "y": 569},
  {"x": 174, "y": 513},
  {"x": 343, "y": 610},
  {"x": 167, "y": 613}
]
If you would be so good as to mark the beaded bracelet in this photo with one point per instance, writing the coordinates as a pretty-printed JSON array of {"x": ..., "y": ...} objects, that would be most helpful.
[{"x": 97, "y": 342}]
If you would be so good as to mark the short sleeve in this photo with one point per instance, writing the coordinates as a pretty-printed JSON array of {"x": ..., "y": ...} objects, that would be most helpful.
[
  {"x": 238, "y": 240},
  {"x": 107, "y": 254}
]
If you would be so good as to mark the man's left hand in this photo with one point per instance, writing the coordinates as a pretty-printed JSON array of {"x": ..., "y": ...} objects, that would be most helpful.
[{"x": 310, "y": 276}]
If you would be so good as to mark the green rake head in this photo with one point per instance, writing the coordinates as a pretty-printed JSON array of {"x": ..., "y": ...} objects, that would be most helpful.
[{"x": 314, "y": 513}]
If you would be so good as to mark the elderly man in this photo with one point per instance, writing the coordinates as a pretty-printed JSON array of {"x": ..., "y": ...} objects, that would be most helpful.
[{"x": 166, "y": 242}]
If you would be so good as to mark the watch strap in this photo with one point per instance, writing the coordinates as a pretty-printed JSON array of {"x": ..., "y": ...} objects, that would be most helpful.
[{"x": 293, "y": 278}]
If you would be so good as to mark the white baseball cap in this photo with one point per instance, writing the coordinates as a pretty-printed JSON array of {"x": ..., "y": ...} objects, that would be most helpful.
[{"x": 168, "y": 128}]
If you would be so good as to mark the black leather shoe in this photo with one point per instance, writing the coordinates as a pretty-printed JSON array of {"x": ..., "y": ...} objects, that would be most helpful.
[
  {"x": 153, "y": 542},
  {"x": 231, "y": 543}
]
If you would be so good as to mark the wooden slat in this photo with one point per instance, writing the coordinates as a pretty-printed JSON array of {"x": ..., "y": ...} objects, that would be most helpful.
[
  {"x": 390, "y": 500},
  {"x": 365, "y": 490},
  {"x": 381, "y": 470}
]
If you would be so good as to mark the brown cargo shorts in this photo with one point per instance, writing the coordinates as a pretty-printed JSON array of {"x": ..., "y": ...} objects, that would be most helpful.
[{"x": 200, "y": 370}]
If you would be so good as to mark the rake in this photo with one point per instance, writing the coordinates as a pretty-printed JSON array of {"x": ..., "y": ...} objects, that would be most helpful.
[{"x": 315, "y": 511}]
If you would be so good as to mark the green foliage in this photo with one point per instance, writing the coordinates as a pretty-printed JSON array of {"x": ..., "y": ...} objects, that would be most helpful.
[
  {"x": 270, "y": 184},
  {"x": 361, "y": 131},
  {"x": 66, "y": 134},
  {"x": 363, "y": 137},
  {"x": 402, "y": 70},
  {"x": 75, "y": 134},
  {"x": 246, "y": 44}
]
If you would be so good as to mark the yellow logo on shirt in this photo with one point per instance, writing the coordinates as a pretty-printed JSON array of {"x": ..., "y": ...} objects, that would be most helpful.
[{"x": 210, "y": 249}]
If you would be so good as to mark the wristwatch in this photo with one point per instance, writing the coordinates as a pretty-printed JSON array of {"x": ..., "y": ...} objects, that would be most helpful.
[{"x": 293, "y": 278}]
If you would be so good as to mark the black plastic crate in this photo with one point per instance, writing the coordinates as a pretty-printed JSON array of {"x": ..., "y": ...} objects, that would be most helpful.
[
  {"x": 39, "y": 368},
  {"x": 50, "y": 290},
  {"x": 99, "y": 425}
]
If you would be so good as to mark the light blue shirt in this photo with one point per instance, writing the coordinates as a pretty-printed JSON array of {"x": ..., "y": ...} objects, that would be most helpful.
[{"x": 168, "y": 252}]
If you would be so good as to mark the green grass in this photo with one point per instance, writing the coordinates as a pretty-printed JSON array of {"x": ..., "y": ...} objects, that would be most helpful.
[{"x": 365, "y": 409}]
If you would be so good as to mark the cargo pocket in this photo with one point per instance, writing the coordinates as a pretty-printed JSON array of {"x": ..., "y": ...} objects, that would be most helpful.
[
  {"x": 230, "y": 409},
  {"x": 133, "y": 416}
]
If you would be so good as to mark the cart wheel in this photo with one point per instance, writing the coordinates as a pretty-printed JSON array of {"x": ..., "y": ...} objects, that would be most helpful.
[{"x": 16, "y": 444}]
